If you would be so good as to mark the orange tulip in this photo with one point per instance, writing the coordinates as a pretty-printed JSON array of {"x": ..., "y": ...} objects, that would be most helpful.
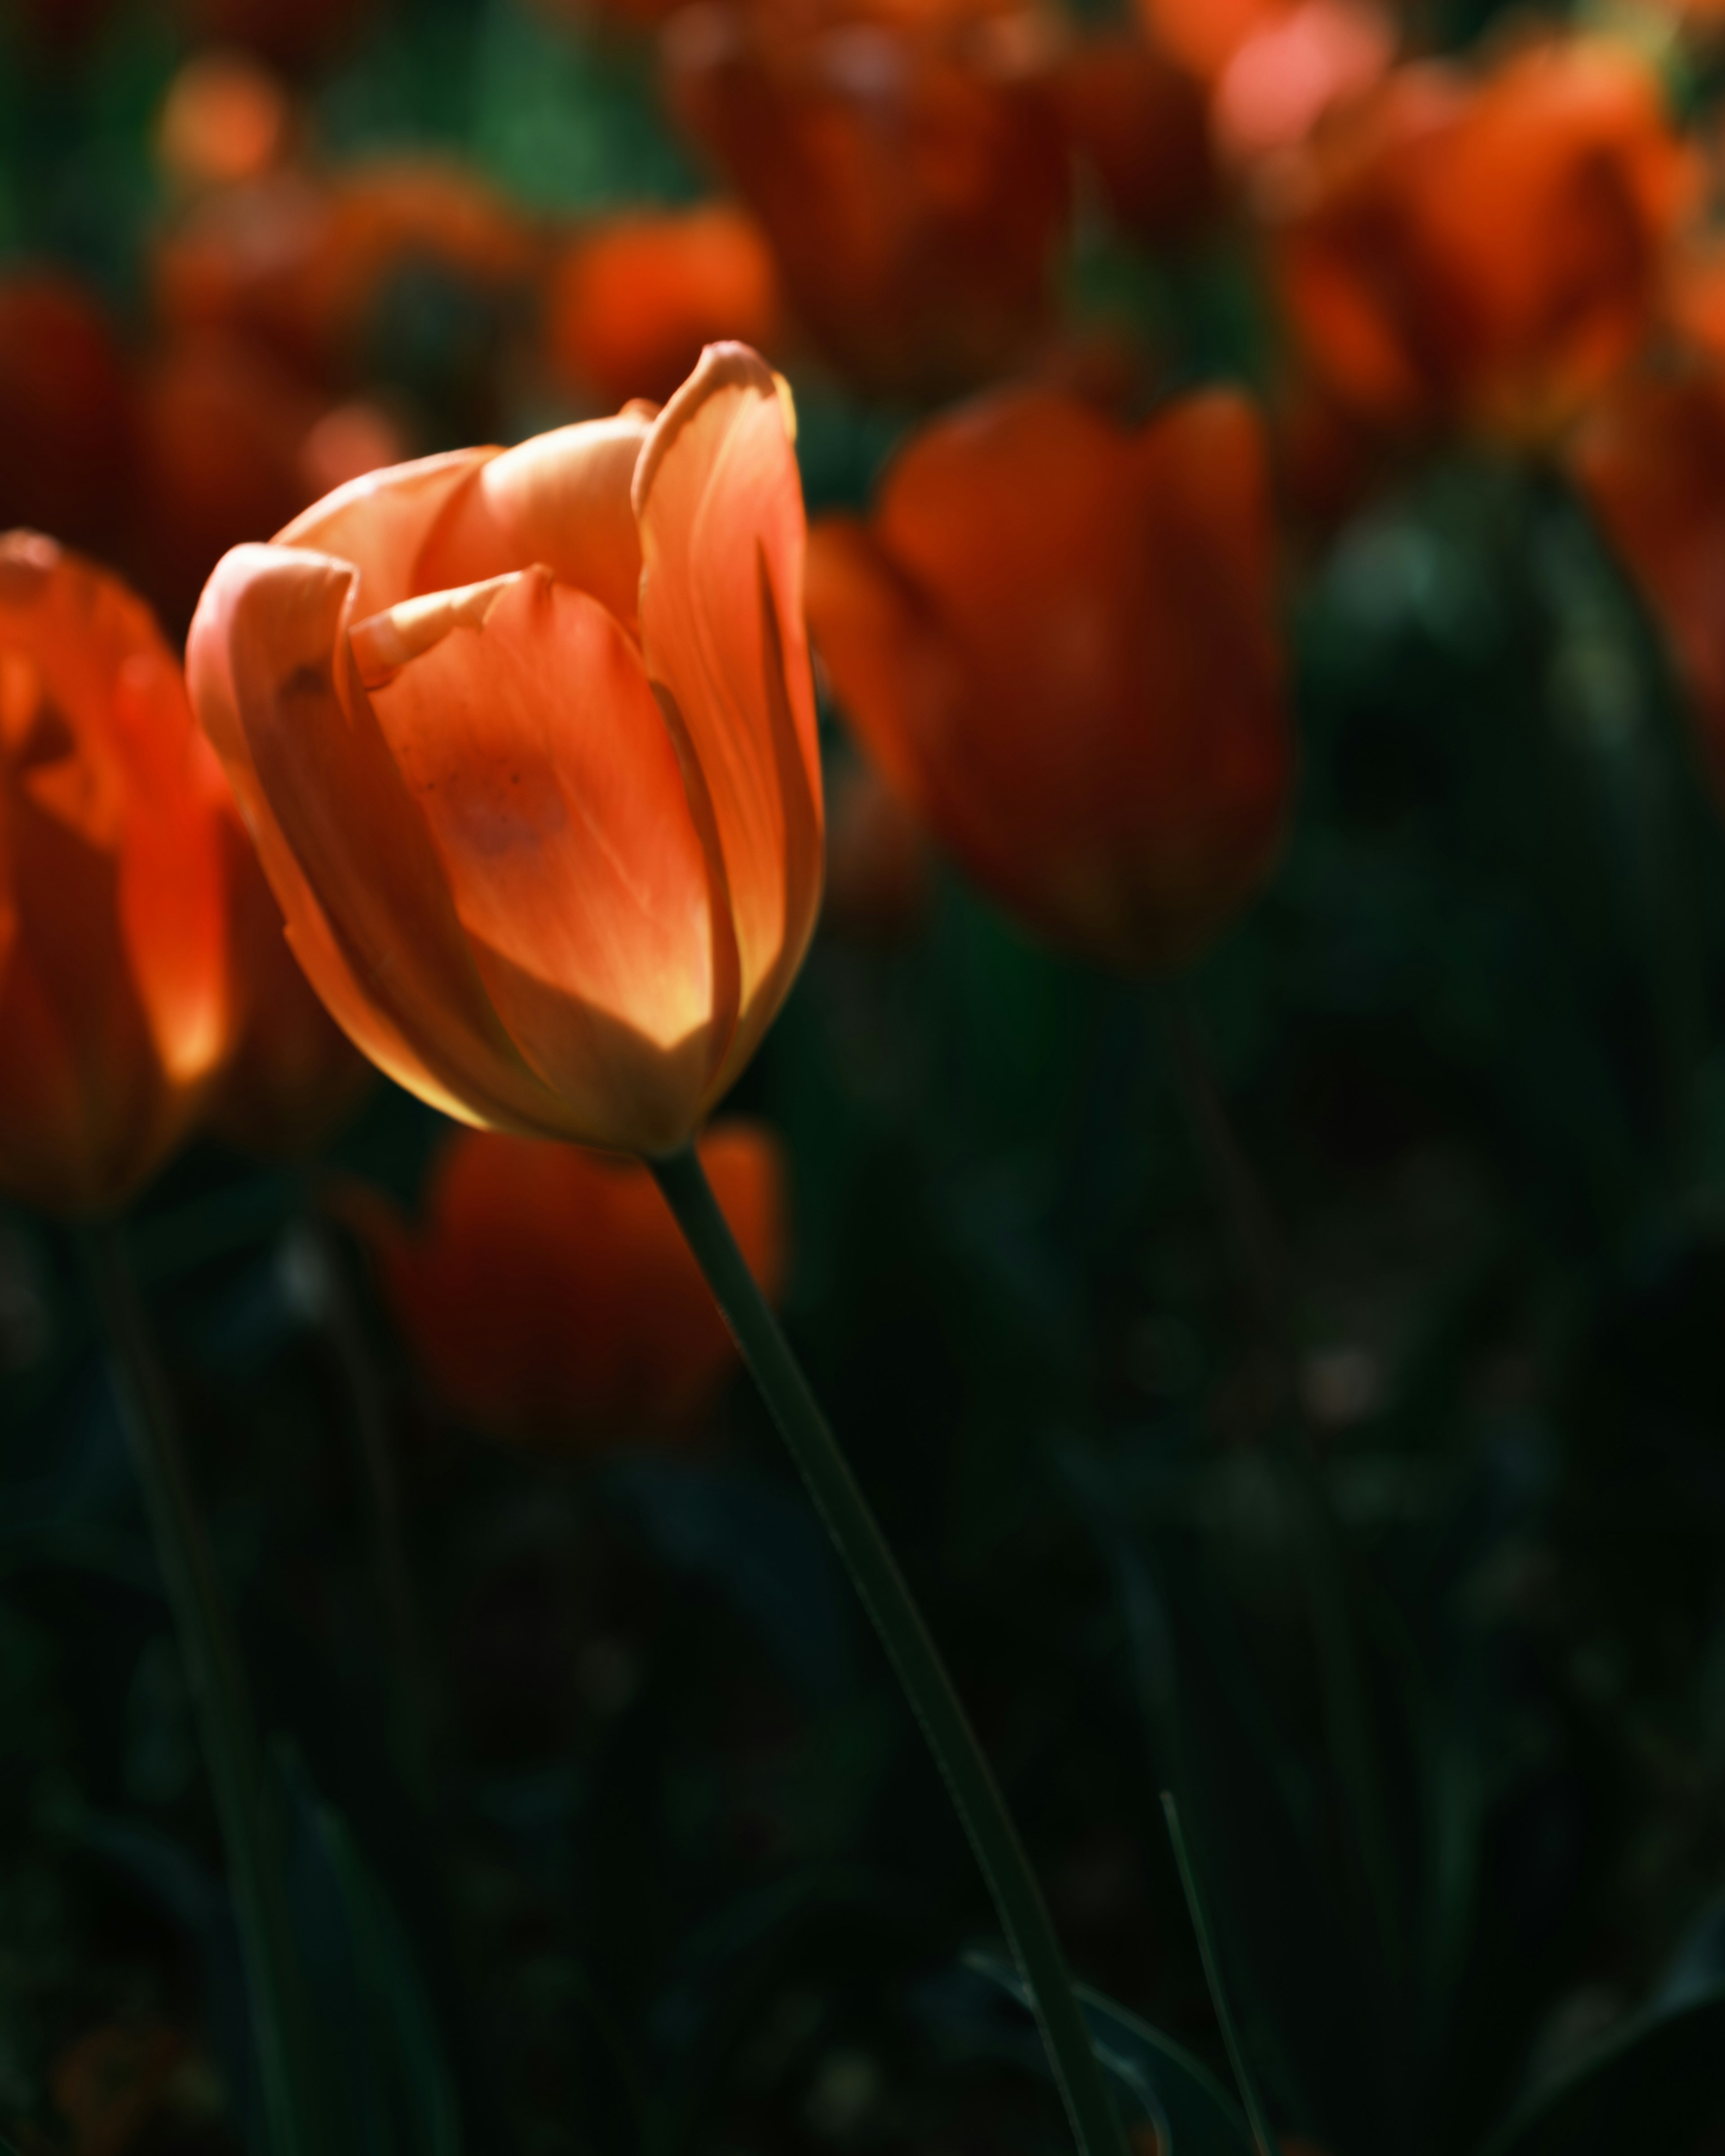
[
  {"x": 293, "y": 1076},
  {"x": 114, "y": 1014},
  {"x": 1058, "y": 641},
  {"x": 632, "y": 302},
  {"x": 66, "y": 441},
  {"x": 912, "y": 179},
  {"x": 1489, "y": 252},
  {"x": 1652, "y": 461},
  {"x": 551, "y": 1292},
  {"x": 526, "y": 740}
]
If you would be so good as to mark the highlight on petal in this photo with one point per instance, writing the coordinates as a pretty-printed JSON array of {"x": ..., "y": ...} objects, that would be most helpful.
[
  {"x": 531, "y": 744},
  {"x": 561, "y": 499},
  {"x": 342, "y": 843},
  {"x": 722, "y": 538}
]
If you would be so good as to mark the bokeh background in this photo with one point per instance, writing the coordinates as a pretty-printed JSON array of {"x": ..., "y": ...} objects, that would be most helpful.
[{"x": 1299, "y": 1381}]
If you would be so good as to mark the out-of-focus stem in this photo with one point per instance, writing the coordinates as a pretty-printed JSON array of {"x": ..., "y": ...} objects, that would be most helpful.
[
  {"x": 249, "y": 1818},
  {"x": 857, "y": 1536}
]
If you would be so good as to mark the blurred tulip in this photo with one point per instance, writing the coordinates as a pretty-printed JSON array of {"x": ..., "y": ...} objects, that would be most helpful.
[
  {"x": 66, "y": 443},
  {"x": 526, "y": 740},
  {"x": 224, "y": 120},
  {"x": 632, "y": 303},
  {"x": 1486, "y": 253},
  {"x": 1141, "y": 122},
  {"x": 293, "y": 1076},
  {"x": 1203, "y": 35},
  {"x": 221, "y": 429},
  {"x": 114, "y": 1014},
  {"x": 1295, "y": 70},
  {"x": 1059, "y": 642},
  {"x": 913, "y": 182},
  {"x": 293, "y": 34},
  {"x": 302, "y": 268},
  {"x": 878, "y": 869},
  {"x": 551, "y": 1294},
  {"x": 1652, "y": 461}
]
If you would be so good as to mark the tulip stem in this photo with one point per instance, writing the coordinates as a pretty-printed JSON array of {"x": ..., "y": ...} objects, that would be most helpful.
[
  {"x": 250, "y": 1819},
  {"x": 857, "y": 1534}
]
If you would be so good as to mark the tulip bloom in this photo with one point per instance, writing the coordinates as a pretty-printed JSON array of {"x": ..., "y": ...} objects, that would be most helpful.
[
  {"x": 114, "y": 981},
  {"x": 1139, "y": 120},
  {"x": 912, "y": 179},
  {"x": 1651, "y": 462},
  {"x": 1058, "y": 641},
  {"x": 550, "y": 1292},
  {"x": 630, "y": 303},
  {"x": 1485, "y": 253},
  {"x": 526, "y": 740}
]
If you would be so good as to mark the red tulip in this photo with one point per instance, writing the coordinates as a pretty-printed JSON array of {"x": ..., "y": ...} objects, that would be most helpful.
[
  {"x": 912, "y": 178},
  {"x": 551, "y": 1294},
  {"x": 1058, "y": 641},
  {"x": 527, "y": 741},
  {"x": 1486, "y": 252},
  {"x": 114, "y": 980},
  {"x": 1140, "y": 121},
  {"x": 66, "y": 444},
  {"x": 299, "y": 266},
  {"x": 632, "y": 301}
]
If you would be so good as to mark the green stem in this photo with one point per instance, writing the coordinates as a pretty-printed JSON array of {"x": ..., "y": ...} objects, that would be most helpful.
[
  {"x": 249, "y": 1820},
  {"x": 970, "y": 1781}
]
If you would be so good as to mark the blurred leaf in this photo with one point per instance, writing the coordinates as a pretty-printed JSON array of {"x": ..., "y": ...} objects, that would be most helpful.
[
  {"x": 759, "y": 1543},
  {"x": 1653, "y": 2091},
  {"x": 1189, "y": 2108},
  {"x": 396, "y": 2094}
]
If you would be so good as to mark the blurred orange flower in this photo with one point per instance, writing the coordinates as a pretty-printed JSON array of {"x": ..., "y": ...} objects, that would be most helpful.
[
  {"x": 1488, "y": 252},
  {"x": 293, "y": 1075},
  {"x": 221, "y": 430},
  {"x": 298, "y": 265},
  {"x": 526, "y": 740},
  {"x": 225, "y": 119},
  {"x": 912, "y": 177},
  {"x": 1059, "y": 642},
  {"x": 65, "y": 447},
  {"x": 1652, "y": 461},
  {"x": 631, "y": 303},
  {"x": 114, "y": 1011},
  {"x": 551, "y": 1292},
  {"x": 1141, "y": 121}
]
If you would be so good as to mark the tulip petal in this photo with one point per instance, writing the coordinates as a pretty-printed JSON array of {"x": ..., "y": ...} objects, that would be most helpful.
[
  {"x": 721, "y": 515},
  {"x": 380, "y": 522},
  {"x": 340, "y": 839},
  {"x": 529, "y": 737},
  {"x": 561, "y": 499}
]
